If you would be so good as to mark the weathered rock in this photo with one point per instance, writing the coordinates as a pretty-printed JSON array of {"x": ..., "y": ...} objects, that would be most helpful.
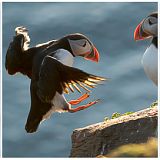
[{"x": 101, "y": 138}]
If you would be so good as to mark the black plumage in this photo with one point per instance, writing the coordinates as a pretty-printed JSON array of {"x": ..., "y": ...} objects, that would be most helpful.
[
  {"x": 155, "y": 41},
  {"x": 47, "y": 74}
]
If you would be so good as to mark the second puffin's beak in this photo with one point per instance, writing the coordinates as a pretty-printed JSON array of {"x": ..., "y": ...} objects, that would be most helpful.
[
  {"x": 139, "y": 33},
  {"x": 93, "y": 56}
]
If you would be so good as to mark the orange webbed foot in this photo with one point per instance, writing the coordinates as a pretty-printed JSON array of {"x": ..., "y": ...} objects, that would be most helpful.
[
  {"x": 79, "y": 100},
  {"x": 73, "y": 110}
]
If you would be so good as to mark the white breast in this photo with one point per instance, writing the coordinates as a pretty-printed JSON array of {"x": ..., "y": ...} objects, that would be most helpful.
[
  {"x": 150, "y": 63},
  {"x": 59, "y": 103},
  {"x": 64, "y": 57}
]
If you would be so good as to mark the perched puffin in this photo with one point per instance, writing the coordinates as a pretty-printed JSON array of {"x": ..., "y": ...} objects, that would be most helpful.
[
  {"x": 49, "y": 66},
  {"x": 148, "y": 28}
]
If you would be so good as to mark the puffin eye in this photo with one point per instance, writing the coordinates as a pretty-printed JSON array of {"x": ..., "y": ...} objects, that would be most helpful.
[
  {"x": 84, "y": 44},
  {"x": 152, "y": 20}
]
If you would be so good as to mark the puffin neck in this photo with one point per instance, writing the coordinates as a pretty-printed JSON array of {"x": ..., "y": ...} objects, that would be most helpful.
[
  {"x": 154, "y": 41},
  {"x": 64, "y": 44}
]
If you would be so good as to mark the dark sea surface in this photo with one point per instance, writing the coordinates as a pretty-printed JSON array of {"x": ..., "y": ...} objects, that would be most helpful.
[{"x": 110, "y": 26}]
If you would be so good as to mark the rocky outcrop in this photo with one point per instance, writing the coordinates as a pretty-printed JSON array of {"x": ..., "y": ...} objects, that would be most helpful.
[{"x": 103, "y": 137}]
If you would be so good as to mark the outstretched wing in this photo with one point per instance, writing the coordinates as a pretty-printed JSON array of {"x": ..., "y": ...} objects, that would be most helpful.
[
  {"x": 24, "y": 31},
  {"x": 55, "y": 76}
]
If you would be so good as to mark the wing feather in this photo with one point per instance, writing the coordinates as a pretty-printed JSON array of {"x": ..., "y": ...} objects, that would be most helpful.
[
  {"x": 24, "y": 31},
  {"x": 83, "y": 86},
  {"x": 55, "y": 76}
]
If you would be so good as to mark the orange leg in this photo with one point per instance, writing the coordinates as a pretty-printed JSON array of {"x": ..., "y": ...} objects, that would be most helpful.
[
  {"x": 79, "y": 100},
  {"x": 72, "y": 110}
]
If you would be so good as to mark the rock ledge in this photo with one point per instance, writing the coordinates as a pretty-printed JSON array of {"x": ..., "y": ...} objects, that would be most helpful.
[{"x": 101, "y": 138}]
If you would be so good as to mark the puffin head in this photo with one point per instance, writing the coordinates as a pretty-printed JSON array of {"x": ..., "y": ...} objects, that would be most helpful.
[
  {"x": 14, "y": 54},
  {"x": 147, "y": 28},
  {"x": 80, "y": 45}
]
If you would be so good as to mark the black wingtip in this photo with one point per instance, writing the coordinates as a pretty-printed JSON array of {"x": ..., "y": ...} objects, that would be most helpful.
[
  {"x": 31, "y": 129},
  {"x": 32, "y": 126}
]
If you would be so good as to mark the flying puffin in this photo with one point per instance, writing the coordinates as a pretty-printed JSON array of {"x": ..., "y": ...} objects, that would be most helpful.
[
  {"x": 49, "y": 66},
  {"x": 148, "y": 29}
]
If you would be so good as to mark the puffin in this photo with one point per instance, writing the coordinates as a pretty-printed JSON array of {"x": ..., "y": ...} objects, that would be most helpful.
[
  {"x": 148, "y": 29},
  {"x": 49, "y": 66}
]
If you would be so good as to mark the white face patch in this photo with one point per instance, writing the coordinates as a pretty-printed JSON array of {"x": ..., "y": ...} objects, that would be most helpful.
[
  {"x": 80, "y": 47},
  {"x": 150, "y": 26}
]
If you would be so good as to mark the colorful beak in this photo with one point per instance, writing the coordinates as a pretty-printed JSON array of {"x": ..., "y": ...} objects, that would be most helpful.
[
  {"x": 137, "y": 32},
  {"x": 93, "y": 56}
]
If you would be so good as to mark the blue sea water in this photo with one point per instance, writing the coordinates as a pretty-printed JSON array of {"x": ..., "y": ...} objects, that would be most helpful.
[{"x": 110, "y": 26}]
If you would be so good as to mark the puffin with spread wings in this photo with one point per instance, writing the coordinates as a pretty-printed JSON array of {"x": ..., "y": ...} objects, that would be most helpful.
[{"x": 49, "y": 66}]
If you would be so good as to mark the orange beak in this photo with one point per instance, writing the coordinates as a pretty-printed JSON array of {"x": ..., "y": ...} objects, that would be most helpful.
[
  {"x": 93, "y": 56},
  {"x": 137, "y": 32}
]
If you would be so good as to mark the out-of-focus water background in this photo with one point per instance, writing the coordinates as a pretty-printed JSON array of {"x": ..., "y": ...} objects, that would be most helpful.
[{"x": 110, "y": 26}]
